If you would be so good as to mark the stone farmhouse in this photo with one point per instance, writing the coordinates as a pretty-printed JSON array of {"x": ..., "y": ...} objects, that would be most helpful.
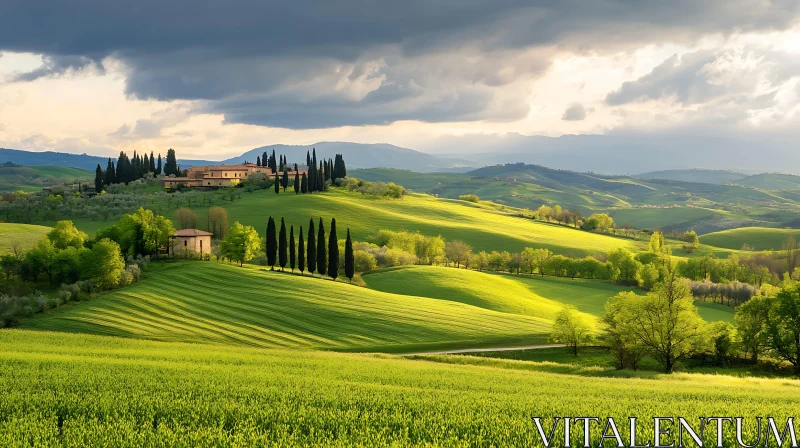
[
  {"x": 212, "y": 176},
  {"x": 191, "y": 240}
]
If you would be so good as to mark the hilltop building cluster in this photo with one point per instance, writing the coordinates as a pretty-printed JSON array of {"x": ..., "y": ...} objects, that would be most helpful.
[{"x": 220, "y": 175}]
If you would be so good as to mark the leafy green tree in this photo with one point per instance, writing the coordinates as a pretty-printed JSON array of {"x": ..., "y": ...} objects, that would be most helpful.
[
  {"x": 272, "y": 243},
  {"x": 751, "y": 325},
  {"x": 570, "y": 329},
  {"x": 458, "y": 252},
  {"x": 311, "y": 248},
  {"x": 41, "y": 257},
  {"x": 666, "y": 322},
  {"x": 282, "y": 246},
  {"x": 600, "y": 222},
  {"x": 187, "y": 218},
  {"x": 647, "y": 275},
  {"x": 333, "y": 252},
  {"x": 143, "y": 232},
  {"x": 103, "y": 264},
  {"x": 99, "y": 178},
  {"x": 64, "y": 235},
  {"x": 301, "y": 252},
  {"x": 322, "y": 259},
  {"x": 783, "y": 325},
  {"x": 241, "y": 243},
  {"x": 66, "y": 265},
  {"x": 480, "y": 261},
  {"x": 623, "y": 260},
  {"x": 617, "y": 334},
  {"x": 171, "y": 165},
  {"x": 349, "y": 258},
  {"x": 692, "y": 241}
]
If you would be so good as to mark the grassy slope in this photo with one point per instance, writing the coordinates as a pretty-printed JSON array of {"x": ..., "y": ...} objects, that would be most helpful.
[
  {"x": 147, "y": 393},
  {"x": 484, "y": 226},
  {"x": 759, "y": 238},
  {"x": 771, "y": 181},
  {"x": 25, "y": 235},
  {"x": 33, "y": 178},
  {"x": 533, "y": 296},
  {"x": 209, "y": 302}
]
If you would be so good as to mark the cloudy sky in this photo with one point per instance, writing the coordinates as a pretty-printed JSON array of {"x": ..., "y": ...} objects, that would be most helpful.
[{"x": 214, "y": 79}]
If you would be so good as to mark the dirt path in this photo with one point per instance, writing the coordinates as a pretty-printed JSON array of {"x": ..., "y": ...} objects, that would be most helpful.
[{"x": 478, "y": 350}]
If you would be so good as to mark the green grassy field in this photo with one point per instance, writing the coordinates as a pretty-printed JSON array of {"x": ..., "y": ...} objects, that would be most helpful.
[
  {"x": 34, "y": 178},
  {"x": 210, "y": 302},
  {"x": 527, "y": 295},
  {"x": 484, "y": 226},
  {"x": 70, "y": 390},
  {"x": 24, "y": 236},
  {"x": 759, "y": 238}
]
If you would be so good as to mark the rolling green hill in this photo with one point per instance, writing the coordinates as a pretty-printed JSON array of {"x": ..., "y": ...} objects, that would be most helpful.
[
  {"x": 531, "y": 296},
  {"x": 695, "y": 175},
  {"x": 484, "y": 226},
  {"x": 23, "y": 235},
  {"x": 771, "y": 181},
  {"x": 759, "y": 238},
  {"x": 680, "y": 204},
  {"x": 34, "y": 178},
  {"x": 146, "y": 393},
  {"x": 209, "y": 302}
]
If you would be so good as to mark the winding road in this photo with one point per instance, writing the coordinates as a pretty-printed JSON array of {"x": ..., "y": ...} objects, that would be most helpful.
[{"x": 478, "y": 350}]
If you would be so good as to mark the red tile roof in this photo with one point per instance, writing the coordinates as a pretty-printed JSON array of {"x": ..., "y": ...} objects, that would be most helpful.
[{"x": 192, "y": 232}]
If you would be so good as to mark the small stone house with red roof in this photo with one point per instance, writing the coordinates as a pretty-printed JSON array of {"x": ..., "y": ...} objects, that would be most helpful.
[{"x": 192, "y": 240}]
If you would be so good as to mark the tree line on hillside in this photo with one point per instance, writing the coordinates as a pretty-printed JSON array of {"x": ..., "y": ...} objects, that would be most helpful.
[
  {"x": 318, "y": 176},
  {"x": 137, "y": 167},
  {"x": 313, "y": 254},
  {"x": 66, "y": 256},
  {"x": 665, "y": 326}
]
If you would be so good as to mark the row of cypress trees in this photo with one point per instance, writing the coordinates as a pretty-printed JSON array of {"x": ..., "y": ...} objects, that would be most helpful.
[
  {"x": 128, "y": 169},
  {"x": 310, "y": 253}
]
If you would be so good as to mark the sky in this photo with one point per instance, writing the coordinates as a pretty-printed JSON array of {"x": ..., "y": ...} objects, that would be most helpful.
[{"x": 215, "y": 79}]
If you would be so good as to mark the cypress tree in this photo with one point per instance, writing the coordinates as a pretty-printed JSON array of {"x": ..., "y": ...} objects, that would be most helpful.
[
  {"x": 99, "y": 177},
  {"x": 320, "y": 178},
  {"x": 258, "y": 160},
  {"x": 171, "y": 165},
  {"x": 158, "y": 168},
  {"x": 292, "y": 253},
  {"x": 311, "y": 248},
  {"x": 282, "y": 258},
  {"x": 304, "y": 184},
  {"x": 321, "y": 258},
  {"x": 301, "y": 253},
  {"x": 272, "y": 244},
  {"x": 273, "y": 162},
  {"x": 349, "y": 258},
  {"x": 285, "y": 180},
  {"x": 277, "y": 183},
  {"x": 333, "y": 252},
  {"x": 308, "y": 160},
  {"x": 264, "y": 159},
  {"x": 152, "y": 166},
  {"x": 110, "y": 176},
  {"x": 296, "y": 180}
]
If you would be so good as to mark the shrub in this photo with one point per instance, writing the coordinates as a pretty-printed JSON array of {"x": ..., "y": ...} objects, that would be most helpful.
[{"x": 469, "y": 198}]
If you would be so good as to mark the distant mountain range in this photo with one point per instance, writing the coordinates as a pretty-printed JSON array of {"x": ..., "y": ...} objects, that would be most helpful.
[
  {"x": 360, "y": 155},
  {"x": 356, "y": 155}
]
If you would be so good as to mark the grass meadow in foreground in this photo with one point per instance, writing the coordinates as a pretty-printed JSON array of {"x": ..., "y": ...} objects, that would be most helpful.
[
  {"x": 80, "y": 390},
  {"x": 211, "y": 302}
]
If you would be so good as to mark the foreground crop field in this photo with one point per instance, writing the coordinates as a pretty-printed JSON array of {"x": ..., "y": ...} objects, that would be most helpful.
[
  {"x": 527, "y": 295},
  {"x": 72, "y": 390},
  {"x": 23, "y": 235},
  {"x": 210, "y": 302}
]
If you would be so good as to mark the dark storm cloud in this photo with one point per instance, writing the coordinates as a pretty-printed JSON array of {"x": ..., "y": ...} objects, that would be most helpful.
[{"x": 283, "y": 57}]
